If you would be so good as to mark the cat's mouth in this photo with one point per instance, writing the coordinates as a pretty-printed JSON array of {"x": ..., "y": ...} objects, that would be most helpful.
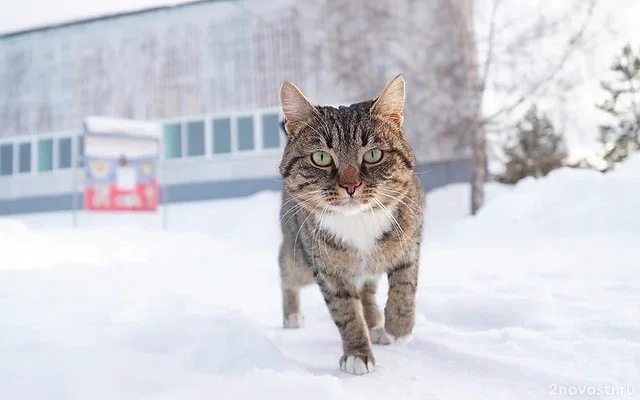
[{"x": 349, "y": 206}]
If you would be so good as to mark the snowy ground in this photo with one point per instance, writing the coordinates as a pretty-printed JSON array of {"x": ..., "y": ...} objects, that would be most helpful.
[{"x": 536, "y": 297}]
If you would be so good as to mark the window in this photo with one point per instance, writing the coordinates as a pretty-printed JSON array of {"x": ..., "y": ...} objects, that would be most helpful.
[
  {"x": 195, "y": 138},
  {"x": 80, "y": 162},
  {"x": 45, "y": 155},
  {"x": 245, "y": 133},
  {"x": 6, "y": 159},
  {"x": 24, "y": 157},
  {"x": 64, "y": 153},
  {"x": 270, "y": 131},
  {"x": 222, "y": 135},
  {"x": 173, "y": 140}
]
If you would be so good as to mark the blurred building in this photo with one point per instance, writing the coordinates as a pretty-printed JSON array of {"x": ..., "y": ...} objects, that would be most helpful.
[{"x": 210, "y": 71}]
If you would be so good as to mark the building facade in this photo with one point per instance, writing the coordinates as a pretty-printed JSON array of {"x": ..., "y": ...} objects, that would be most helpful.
[{"x": 209, "y": 70}]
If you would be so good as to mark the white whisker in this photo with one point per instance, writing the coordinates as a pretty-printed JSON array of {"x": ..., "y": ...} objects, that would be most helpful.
[
  {"x": 401, "y": 201},
  {"x": 395, "y": 223}
]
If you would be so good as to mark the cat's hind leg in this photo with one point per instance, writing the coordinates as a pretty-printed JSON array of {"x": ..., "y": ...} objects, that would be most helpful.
[
  {"x": 292, "y": 315},
  {"x": 293, "y": 277}
]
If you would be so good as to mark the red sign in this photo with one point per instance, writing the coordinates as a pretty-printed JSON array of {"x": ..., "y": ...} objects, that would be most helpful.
[
  {"x": 109, "y": 198},
  {"x": 121, "y": 163}
]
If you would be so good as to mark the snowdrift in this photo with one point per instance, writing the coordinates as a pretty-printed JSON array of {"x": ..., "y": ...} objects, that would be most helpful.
[{"x": 536, "y": 297}]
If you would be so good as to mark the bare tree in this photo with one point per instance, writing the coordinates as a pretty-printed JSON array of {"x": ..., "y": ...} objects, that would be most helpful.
[{"x": 516, "y": 70}]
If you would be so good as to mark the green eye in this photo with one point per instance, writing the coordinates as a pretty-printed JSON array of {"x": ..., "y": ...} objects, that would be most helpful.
[
  {"x": 321, "y": 158},
  {"x": 373, "y": 156}
]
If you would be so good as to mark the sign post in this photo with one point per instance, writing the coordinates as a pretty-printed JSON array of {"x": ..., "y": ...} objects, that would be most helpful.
[{"x": 121, "y": 162}]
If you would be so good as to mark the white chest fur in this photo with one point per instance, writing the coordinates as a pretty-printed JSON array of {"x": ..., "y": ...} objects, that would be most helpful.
[{"x": 359, "y": 230}]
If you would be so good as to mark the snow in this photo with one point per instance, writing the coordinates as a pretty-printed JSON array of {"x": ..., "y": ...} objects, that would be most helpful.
[
  {"x": 536, "y": 297},
  {"x": 108, "y": 125}
]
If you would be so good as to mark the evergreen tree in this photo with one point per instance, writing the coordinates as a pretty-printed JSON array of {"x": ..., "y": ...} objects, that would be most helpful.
[
  {"x": 622, "y": 137},
  {"x": 535, "y": 150}
]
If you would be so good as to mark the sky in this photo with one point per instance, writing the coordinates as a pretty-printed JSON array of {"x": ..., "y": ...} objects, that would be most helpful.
[{"x": 26, "y": 14}]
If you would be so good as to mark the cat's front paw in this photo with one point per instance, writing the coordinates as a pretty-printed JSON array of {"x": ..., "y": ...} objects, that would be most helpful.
[
  {"x": 357, "y": 364},
  {"x": 379, "y": 335},
  {"x": 400, "y": 331},
  {"x": 401, "y": 339},
  {"x": 383, "y": 335},
  {"x": 293, "y": 321}
]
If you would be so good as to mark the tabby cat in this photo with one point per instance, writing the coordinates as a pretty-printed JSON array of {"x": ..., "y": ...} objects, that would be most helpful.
[{"x": 352, "y": 209}]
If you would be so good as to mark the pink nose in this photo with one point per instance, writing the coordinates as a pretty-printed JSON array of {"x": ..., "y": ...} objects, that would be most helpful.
[{"x": 350, "y": 187}]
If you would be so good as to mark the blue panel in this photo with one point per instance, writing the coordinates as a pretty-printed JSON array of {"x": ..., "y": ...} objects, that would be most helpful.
[
  {"x": 64, "y": 153},
  {"x": 6, "y": 159},
  {"x": 221, "y": 135},
  {"x": 245, "y": 133},
  {"x": 173, "y": 141},
  {"x": 45, "y": 155},
  {"x": 195, "y": 138},
  {"x": 24, "y": 157},
  {"x": 433, "y": 175},
  {"x": 270, "y": 131},
  {"x": 80, "y": 154}
]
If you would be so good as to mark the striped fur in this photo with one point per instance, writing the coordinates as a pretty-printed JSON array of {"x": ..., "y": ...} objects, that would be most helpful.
[{"x": 345, "y": 243}]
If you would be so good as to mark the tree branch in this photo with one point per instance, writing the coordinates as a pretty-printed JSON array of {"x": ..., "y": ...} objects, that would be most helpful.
[
  {"x": 571, "y": 45},
  {"x": 489, "y": 57}
]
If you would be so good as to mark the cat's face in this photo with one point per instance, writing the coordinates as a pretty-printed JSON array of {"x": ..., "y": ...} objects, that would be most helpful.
[{"x": 347, "y": 159}]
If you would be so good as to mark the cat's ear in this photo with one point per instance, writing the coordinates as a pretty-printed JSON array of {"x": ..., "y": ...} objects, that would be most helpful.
[
  {"x": 297, "y": 109},
  {"x": 390, "y": 104}
]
